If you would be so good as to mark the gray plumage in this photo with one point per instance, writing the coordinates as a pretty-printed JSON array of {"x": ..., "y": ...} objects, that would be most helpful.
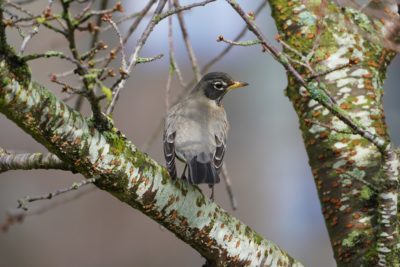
[{"x": 196, "y": 129}]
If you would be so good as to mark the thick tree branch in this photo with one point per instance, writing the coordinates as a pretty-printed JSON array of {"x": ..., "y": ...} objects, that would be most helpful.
[{"x": 133, "y": 177}]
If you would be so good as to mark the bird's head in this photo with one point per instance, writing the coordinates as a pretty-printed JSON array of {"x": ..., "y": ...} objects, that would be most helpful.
[{"x": 215, "y": 85}]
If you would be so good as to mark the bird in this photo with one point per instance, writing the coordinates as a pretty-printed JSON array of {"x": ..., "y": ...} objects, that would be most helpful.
[{"x": 196, "y": 128}]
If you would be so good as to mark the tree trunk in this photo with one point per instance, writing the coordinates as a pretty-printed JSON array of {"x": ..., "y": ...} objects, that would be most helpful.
[{"x": 347, "y": 168}]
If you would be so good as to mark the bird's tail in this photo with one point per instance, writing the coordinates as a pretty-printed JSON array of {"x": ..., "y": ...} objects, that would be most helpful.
[{"x": 202, "y": 171}]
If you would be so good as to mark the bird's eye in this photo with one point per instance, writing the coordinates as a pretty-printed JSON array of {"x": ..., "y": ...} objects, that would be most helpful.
[{"x": 218, "y": 85}]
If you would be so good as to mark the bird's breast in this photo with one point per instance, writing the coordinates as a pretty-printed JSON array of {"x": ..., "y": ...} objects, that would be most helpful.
[{"x": 196, "y": 125}]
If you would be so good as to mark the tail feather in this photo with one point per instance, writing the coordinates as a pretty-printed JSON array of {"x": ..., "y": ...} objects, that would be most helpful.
[{"x": 202, "y": 172}]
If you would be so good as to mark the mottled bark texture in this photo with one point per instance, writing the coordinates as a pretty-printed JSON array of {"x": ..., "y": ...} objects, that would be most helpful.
[
  {"x": 349, "y": 172},
  {"x": 129, "y": 174}
]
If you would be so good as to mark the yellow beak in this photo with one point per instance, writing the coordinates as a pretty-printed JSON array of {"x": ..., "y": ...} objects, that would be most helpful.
[{"x": 237, "y": 84}]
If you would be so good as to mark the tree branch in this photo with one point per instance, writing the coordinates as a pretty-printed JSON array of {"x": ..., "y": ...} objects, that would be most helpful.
[
  {"x": 362, "y": 222},
  {"x": 23, "y": 202},
  {"x": 189, "y": 48},
  {"x": 133, "y": 61},
  {"x": 30, "y": 161},
  {"x": 133, "y": 177},
  {"x": 18, "y": 216}
]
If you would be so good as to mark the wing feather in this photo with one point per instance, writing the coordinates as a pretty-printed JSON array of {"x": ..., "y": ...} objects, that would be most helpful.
[
  {"x": 169, "y": 153},
  {"x": 219, "y": 153}
]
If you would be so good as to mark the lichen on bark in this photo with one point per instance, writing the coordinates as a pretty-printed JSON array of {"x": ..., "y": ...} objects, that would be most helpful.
[{"x": 345, "y": 166}]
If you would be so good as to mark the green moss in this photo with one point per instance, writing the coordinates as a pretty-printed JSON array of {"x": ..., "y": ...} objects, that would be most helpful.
[
  {"x": 258, "y": 239},
  {"x": 17, "y": 66},
  {"x": 248, "y": 232},
  {"x": 117, "y": 143},
  {"x": 352, "y": 239},
  {"x": 165, "y": 176},
  {"x": 393, "y": 258},
  {"x": 366, "y": 193},
  {"x": 90, "y": 80},
  {"x": 370, "y": 257},
  {"x": 200, "y": 201},
  {"x": 157, "y": 18}
]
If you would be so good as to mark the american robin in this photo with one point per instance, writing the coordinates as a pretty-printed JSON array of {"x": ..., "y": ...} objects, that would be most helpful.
[{"x": 196, "y": 130}]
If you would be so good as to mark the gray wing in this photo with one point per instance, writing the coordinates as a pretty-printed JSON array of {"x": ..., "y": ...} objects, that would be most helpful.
[
  {"x": 220, "y": 133},
  {"x": 219, "y": 153},
  {"x": 169, "y": 141},
  {"x": 169, "y": 153}
]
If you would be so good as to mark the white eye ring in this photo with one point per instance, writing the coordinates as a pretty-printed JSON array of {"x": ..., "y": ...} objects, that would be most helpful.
[{"x": 218, "y": 86}]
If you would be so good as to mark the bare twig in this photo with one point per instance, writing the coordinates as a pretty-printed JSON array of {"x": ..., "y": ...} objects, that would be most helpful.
[
  {"x": 242, "y": 43},
  {"x": 50, "y": 54},
  {"x": 18, "y": 216},
  {"x": 95, "y": 48},
  {"x": 87, "y": 13},
  {"x": 135, "y": 55},
  {"x": 141, "y": 60},
  {"x": 185, "y": 35},
  {"x": 139, "y": 18},
  {"x": 18, "y": 7},
  {"x": 324, "y": 73},
  {"x": 230, "y": 46},
  {"x": 24, "y": 2},
  {"x": 95, "y": 38},
  {"x": 179, "y": 9},
  {"x": 171, "y": 59},
  {"x": 23, "y": 202},
  {"x": 27, "y": 38},
  {"x": 63, "y": 74},
  {"x": 89, "y": 83},
  {"x": 34, "y": 17},
  {"x": 121, "y": 41},
  {"x": 228, "y": 186},
  {"x": 303, "y": 61},
  {"x": 131, "y": 29},
  {"x": 134, "y": 58},
  {"x": 121, "y": 20},
  {"x": 168, "y": 87}
]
